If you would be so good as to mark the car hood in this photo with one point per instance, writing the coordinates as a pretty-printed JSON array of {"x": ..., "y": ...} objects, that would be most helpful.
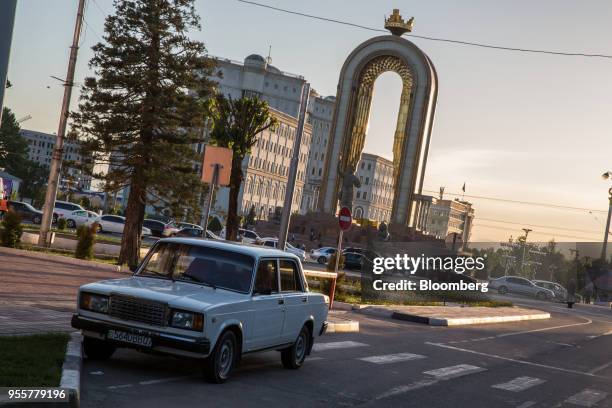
[{"x": 187, "y": 295}]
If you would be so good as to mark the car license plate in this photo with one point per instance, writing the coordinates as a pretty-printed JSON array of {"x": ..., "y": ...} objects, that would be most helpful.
[{"x": 129, "y": 338}]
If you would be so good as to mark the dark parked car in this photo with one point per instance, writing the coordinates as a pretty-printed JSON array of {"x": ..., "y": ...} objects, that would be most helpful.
[
  {"x": 368, "y": 253},
  {"x": 353, "y": 260},
  {"x": 26, "y": 211},
  {"x": 195, "y": 233},
  {"x": 160, "y": 228}
]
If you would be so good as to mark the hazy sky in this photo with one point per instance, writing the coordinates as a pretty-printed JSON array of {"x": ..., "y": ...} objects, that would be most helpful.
[{"x": 510, "y": 125}]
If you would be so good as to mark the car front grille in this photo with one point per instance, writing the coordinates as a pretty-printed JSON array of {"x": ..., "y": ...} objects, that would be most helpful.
[{"x": 137, "y": 310}]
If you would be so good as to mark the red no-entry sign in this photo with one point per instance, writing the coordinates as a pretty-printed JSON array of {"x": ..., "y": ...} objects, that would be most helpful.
[{"x": 344, "y": 218}]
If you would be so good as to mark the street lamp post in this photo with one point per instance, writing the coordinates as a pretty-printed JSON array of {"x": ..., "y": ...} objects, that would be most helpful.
[
  {"x": 607, "y": 175},
  {"x": 527, "y": 231}
]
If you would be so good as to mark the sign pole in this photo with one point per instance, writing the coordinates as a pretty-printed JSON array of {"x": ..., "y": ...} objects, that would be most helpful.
[{"x": 209, "y": 198}]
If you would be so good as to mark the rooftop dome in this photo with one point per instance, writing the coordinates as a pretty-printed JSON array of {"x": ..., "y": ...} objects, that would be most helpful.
[{"x": 255, "y": 57}]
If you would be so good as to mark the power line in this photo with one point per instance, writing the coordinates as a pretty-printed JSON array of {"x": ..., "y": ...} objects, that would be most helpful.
[
  {"x": 532, "y": 203},
  {"x": 438, "y": 39},
  {"x": 539, "y": 226},
  {"x": 553, "y": 234},
  {"x": 104, "y": 12}
]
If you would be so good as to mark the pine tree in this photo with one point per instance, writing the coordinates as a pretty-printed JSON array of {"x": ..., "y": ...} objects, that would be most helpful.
[
  {"x": 236, "y": 125},
  {"x": 146, "y": 107}
]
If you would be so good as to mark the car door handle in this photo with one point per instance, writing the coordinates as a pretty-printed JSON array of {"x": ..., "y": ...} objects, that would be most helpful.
[
  {"x": 305, "y": 299},
  {"x": 281, "y": 301}
]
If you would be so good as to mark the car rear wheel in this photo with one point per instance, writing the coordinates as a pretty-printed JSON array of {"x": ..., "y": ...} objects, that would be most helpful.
[
  {"x": 294, "y": 356},
  {"x": 99, "y": 229},
  {"x": 322, "y": 260},
  {"x": 219, "y": 365},
  {"x": 541, "y": 295},
  {"x": 36, "y": 219},
  {"x": 71, "y": 224},
  {"x": 502, "y": 290},
  {"x": 96, "y": 349}
]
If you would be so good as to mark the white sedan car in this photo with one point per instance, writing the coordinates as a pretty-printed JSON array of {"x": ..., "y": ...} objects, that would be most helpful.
[
  {"x": 115, "y": 224},
  {"x": 273, "y": 243},
  {"x": 209, "y": 300},
  {"x": 81, "y": 217}
]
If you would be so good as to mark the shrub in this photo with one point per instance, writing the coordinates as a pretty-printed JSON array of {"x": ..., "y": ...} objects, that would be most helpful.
[
  {"x": 61, "y": 224},
  {"x": 214, "y": 224},
  {"x": 10, "y": 235},
  {"x": 331, "y": 264},
  {"x": 86, "y": 240}
]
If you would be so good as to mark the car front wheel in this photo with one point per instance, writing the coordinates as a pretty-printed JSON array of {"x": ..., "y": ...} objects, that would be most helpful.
[
  {"x": 322, "y": 260},
  {"x": 71, "y": 224},
  {"x": 219, "y": 365},
  {"x": 293, "y": 357},
  {"x": 502, "y": 290},
  {"x": 36, "y": 220},
  {"x": 541, "y": 295},
  {"x": 96, "y": 349}
]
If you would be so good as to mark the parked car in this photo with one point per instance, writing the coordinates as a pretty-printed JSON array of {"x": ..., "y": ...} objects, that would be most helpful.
[
  {"x": 182, "y": 225},
  {"x": 209, "y": 300},
  {"x": 160, "y": 228},
  {"x": 322, "y": 255},
  {"x": 367, "y": 252},
  {"x": 273, "y": 243},
  {"x": 559, "y": 291},
  {"x": 25, "y": 211},
  {"x": 196, "y": 233},
  {"x": 520, "y": 286},
  {"x": 115, "y": 223},
  {"x": 353, "y": 260},
  {"x": 81, "y": 217},
  {"x": 245, "y": 236},
  {"x": 65, "y": 208}
]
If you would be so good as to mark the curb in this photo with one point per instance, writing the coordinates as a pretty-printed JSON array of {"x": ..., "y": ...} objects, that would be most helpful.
[
  {"x": 460, "y": 321},
  {"x": 71, "y": 370},
  {"x": 65, "y": 259},
  {"x": 348, "y": 326}
]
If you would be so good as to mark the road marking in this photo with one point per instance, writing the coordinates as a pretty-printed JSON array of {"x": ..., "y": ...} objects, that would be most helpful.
[
  {"x": 337, "y": 345},
  {"x": 115, "y": 387},
  {"x": 587, "y": 397},
  {"x": 601, "y": 367},
  {"x": 455, "y": 371},
  {"x": 519, "y": 384},
  {"x": 391, "y": 358},
  {"x": 567, "y": 370},
  {"x": 589, "y": 321},
  {"x": 164, "y": 380},
  {"x": 526, "y": 404},
  {"x": 407, "y": 388}
]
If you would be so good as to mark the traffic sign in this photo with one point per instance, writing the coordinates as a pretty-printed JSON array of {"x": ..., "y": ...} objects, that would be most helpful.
[{"x": 344, "y": 218}]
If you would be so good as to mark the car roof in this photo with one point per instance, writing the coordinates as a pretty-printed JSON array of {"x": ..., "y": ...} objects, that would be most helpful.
[{"x": 256, "y": 251}]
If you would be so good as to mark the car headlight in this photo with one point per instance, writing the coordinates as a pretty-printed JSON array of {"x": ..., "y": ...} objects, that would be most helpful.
[
  {"x": 182, "y": 319},
  {"x": 94, "y": 302}
]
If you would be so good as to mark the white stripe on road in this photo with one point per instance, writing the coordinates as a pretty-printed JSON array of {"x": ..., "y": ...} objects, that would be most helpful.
[
  {"x": 406, "y": 388},
  {"x": 459, "y": 370},
  {"x": 519, "y": 384},
  {"x": 526, "y": 404},
  {"x": 566, "y": 370},
  {"x": 337, "y": 345},
  {"x": 587, "y": 397},
  {"x": 392, "y": 358}
]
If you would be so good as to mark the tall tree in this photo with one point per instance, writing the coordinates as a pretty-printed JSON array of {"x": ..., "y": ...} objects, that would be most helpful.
[
  {"x": 236, "y": 125},
  {"x": 141, "y": 111},
  {"x": 14, "y": 159}
]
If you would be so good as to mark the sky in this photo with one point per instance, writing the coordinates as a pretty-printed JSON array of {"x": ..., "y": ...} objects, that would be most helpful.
[{"x": 510, "y": 125}]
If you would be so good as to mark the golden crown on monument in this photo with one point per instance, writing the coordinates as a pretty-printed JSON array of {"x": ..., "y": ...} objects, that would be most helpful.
[{"x": 396, "y": 24}]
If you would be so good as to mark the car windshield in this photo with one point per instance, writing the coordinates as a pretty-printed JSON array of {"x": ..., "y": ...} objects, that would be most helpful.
[{"x": 213, "y": 267}]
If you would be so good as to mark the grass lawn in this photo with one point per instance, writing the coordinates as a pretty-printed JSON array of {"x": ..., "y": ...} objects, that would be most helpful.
[{"x": 32, "y": 361}]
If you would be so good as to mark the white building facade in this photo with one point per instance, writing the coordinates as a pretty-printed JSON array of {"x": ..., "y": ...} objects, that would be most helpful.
[
  {"x": 374, "y": 199},
  {"x": 447, "y": 217}
]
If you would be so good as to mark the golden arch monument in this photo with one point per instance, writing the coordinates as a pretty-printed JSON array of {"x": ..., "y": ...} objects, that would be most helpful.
[{"x": 351, "y": 116}]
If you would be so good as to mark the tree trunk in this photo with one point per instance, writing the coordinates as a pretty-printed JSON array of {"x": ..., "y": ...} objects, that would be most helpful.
[
  {"x": 134, "y": 216},
  {"x": 231, "y": 227}
]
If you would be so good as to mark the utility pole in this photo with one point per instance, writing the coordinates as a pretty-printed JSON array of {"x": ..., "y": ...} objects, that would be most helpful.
[
  {"x": 293, "y": 168},
  {"x": 604, "y": 249},
  {"x": 58, "y": 150},
  {"x": 527, "y": 231},
  {"x": 7, "y": 20}
]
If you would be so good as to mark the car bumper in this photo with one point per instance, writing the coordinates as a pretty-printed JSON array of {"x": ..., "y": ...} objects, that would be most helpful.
[
  {"x": 323, "y": 328},
  {"x": 188, "y": 346}
]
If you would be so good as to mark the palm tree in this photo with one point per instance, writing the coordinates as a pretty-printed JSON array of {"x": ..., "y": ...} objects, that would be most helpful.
[{"x": 236, "y": 125}]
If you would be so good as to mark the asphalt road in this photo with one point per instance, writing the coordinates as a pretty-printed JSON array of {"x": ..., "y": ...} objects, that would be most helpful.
[{"x": 565, "y": 361}]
